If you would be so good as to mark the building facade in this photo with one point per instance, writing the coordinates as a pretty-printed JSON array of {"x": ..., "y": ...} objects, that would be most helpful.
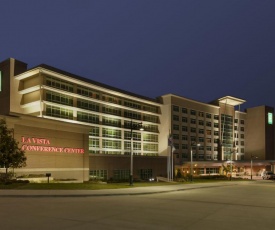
[{"x": 77, "y": 128}]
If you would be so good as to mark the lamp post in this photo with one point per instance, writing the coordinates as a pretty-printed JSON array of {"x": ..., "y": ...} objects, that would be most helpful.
[
  {"x": 133, "y": 126},
  {"x": 251, "y": 165},
  {"x": 191, "y": 167}
]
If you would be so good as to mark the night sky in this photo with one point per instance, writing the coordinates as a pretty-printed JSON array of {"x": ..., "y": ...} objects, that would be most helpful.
[{"x": 199, "y": 49}]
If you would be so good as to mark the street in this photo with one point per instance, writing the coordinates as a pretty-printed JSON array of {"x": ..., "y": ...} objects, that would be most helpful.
[{"x": 243, "y": 205}]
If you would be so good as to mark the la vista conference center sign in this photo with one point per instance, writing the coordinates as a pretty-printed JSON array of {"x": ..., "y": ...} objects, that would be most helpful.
[{"x": 44, "y": 145}]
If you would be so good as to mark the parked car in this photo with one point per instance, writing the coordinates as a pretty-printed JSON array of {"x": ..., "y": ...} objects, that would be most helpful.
[{"x": 267, "y": 175}]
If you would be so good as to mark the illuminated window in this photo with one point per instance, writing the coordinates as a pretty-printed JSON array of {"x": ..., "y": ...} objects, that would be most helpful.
[
  {"x": 59, "y": 112},
  {"x": 87, "y": 117},
  {"x": 112, "y": 133},
  {"x": 154, "y": 138},
  {"x": 270, "y": 118}
]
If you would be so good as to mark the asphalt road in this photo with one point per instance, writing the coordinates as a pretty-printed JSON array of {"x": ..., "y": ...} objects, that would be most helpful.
[{"x": 237, "y": 205}]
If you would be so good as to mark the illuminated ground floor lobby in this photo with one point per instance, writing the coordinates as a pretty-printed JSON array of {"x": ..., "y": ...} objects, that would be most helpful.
[{"x": 238, "y": 168}]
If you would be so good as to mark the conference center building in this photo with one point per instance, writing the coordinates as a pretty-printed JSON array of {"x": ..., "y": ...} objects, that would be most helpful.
[{"x": 77, "y": 128}]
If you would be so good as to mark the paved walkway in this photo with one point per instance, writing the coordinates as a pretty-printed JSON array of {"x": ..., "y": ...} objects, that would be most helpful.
[{"x": 116, "y": 192}]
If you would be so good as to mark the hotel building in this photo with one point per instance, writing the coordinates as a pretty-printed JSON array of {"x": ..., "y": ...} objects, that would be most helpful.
[{"x": 77, "y": 128}]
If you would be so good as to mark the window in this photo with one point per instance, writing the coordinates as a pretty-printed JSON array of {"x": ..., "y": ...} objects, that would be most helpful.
[
  {"x": 208, "y": 140},
  {"x": 193, "y": 138},
  {"x": 193, "y": 112},
  {"x": 242, "y": 136},
  {"x": 150, "y": 118},
  {"x": 112, "y": 133},
  {"x": 59, "y": 98},
  {"x": 121, "y": 174},
  {"x": 208, "y": 115},
  {"x": 152, "y": 137},
  {"x": 201, "y": 139},
  {"x": 184, "y": 137},
  {"x": 87, "y": 117},
  {"x": 184, "y": 155},
  {"x": 132, "y": 104},
  {"x": 98, "y": 174},
  {"x": 201, "y": 147},
  {"x": 184, "y": 110},
  {"x": 216, "y": 117},
  {"x": 176, "y": 108},
  {"x": 175, "y": 136},
  {"x": 136, "y": 136},
  {"x": 132, "y": 115},
  {"x": 59, "y": 84},
  {"x": 242, "y": 122},
  {"x": 201, "y": 131},
  {"x": 87, "y": 92},
  {"x": 208, "y": 123},
  {"x": 94, "y": 131},
  {"x": 201, "y": 122},
  {"x": 111, "y": 110},
  {"x": 236, "y": 120},
  {"x": 93, "y": 143},
  {"x": 150, "y": 147},
  {"x": 212, "y": 170},
  {"x": 242, "y": 143},
  {"x": 208, "y": 132},
  {"x": 201, "y": 114},
  {"x": 193, "y": 121},
  {"x": 136, "y": 145},
  {"x": 59, "y": 112},
  {"x": 89, "y": 105},
  {"x": 201, "y": 156},
  {"x": 242, "y": 128},
  {"x": 175, "y": 127},
  {"x": 111, "y": 144},
  {"x": 193, "y": 130},
  {"x": 175, "y": 117},
  {"x": 216, "y": 133},
  {"x": 184, "y": 128},
  {"x": 208, "y": 148},
  {"x": 145, "y": 173},
  {"x": 184, "y": 119},
  {"x": 216, "y": 125},
  {"x": 111, "y": 99},
  {"x": 111, "y": 121},
  {"x": 184, "y": 146}
]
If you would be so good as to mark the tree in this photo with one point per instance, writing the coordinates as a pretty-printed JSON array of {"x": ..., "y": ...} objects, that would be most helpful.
[{"x": 11, "y": 156}]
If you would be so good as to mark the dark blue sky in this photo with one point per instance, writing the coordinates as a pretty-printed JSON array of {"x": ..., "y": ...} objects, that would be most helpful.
[{"x": 199, "y": 49}]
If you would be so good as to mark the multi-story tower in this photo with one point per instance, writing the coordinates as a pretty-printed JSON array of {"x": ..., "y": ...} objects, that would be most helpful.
[{"x": 110, "y": 114}]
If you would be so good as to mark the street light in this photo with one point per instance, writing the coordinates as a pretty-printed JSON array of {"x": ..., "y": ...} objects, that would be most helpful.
[
  {"x": 192, "y": 144},
  {"x": 251, "y": 157},
  {"x": 133, "y": 126}
]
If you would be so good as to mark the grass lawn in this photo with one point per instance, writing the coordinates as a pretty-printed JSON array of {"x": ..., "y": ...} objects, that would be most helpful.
[{"x": 96, "y": 186}]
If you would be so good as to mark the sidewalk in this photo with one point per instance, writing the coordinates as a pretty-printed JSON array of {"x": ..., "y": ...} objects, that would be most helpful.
[{"x": 112, "y": 192}]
